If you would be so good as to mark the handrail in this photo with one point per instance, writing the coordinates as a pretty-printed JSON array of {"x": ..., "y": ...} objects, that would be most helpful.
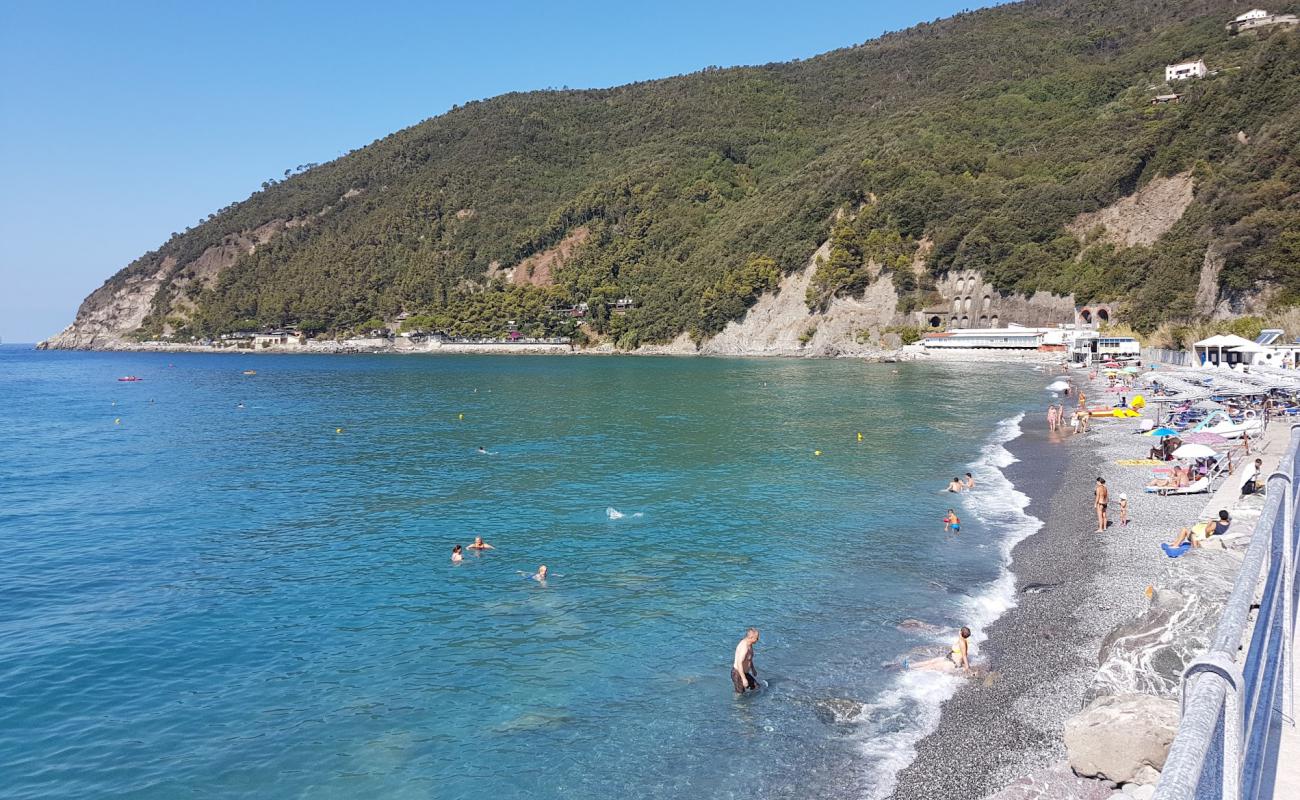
[{"x": 1234, "y": 698}]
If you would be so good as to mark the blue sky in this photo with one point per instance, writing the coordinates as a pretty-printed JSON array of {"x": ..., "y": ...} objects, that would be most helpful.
[{"x": 122, "y": 122}]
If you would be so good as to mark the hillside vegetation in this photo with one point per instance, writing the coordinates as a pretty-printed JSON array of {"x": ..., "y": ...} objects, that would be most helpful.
[{"x": 986, "y": 134}]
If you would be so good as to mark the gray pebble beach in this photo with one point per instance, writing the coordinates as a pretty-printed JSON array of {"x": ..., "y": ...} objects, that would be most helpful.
[{"x": 1041, "y": 656}]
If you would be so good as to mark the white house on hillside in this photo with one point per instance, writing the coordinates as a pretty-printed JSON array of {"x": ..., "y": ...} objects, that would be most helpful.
[
  {"x": 1185, "y": 70},
  {"x": 1259, "y": 18}
]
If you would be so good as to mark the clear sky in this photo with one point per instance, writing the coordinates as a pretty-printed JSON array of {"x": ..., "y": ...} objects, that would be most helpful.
[{"x": 121, "y": 122}]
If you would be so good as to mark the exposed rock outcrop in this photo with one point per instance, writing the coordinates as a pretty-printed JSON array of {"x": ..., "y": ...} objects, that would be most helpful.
[
  {"x": 1142, "y": 217},
  {"x": 118, "y": 308},
  {"x": 1207, "y": 289},
  {"x": 1123, "y": 738},
  {"x": 1148, "y": 655},
  {"x": 781, "y": 324},
  {"x": 1056, "y": 782},
  {"x": 537, "y": 269}
]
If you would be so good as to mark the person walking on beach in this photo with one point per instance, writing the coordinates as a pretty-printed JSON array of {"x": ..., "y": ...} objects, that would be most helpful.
[
  {"x": 743, "y": 677},
  {"x": 1101, "y": 500},
  {"x": 1051, "y": 418},
  {"x": 1123, "y": 509}
]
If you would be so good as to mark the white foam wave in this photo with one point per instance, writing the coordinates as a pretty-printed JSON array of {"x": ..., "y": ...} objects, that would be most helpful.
[
  {"x": 614, "y": 513},
  {"x": 908, "y": 710}
]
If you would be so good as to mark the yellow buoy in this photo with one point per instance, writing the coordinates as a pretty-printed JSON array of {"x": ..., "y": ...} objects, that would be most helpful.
[
  {"x": 859, "y": 436},
  {"x": 817, "y": 452},
  {"x": 460, "y": 416},
  {"x": 338, "y": 430},
  {"x": 117, "y": 421}
]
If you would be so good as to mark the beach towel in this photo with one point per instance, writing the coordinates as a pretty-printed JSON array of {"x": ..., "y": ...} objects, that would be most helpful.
[{"x": 1138, "y": 462}]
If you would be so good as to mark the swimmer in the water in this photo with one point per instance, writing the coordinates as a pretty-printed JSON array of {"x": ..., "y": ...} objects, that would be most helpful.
[
  {"x": 479, "y": 544},
  {"x": 951, "y": 522},
  {"x": 456, "y": 557},
  {"x": 969, "y": 483},
  {"x": 481, "y": 451},
  {"x": 955, "y": 486},
  {"x": 240, "y": 405},
  {"x": 540, "y": 577}
]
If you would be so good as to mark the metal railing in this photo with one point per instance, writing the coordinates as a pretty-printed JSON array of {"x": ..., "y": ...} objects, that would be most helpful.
[{"x": 1238, "y": 696}]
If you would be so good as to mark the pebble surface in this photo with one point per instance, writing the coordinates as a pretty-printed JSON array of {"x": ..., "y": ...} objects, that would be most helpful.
[{"x": 1041, "y": 655}]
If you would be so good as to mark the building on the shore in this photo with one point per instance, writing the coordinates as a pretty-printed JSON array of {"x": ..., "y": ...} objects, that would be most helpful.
[
  {"x": 1165, "y": 99},
  {"x": 1257, "y": 18},
  {"x": 273, "y": 338},
  {"x": 1186, "y": 70},
  {"x": 986, "y": 339}
]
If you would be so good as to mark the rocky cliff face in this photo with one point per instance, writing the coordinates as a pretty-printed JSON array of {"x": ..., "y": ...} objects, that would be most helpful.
[{"x": 112, "y": 313}]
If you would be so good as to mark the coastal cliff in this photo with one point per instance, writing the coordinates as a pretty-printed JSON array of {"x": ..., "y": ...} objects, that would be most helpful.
[{"x": 1004, "y": 165}]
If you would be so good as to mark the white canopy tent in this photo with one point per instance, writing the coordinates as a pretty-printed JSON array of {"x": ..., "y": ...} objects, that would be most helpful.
[{"x": 1218, "y": 345}]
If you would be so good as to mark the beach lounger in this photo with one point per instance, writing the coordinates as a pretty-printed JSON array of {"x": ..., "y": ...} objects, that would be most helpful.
[{"x": 1195, "y": 487}]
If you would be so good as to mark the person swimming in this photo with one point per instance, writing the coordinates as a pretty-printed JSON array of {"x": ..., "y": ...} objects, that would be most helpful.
[
  {"x": 456, "y": 556},
  {"x": 951, "y": 522},
  {"x": 540, "y": 575},
  {"x": 955, "y": 485},
  {"x": 479, "y": 544},
  {"x": 969, "y": 483},
  {"x": 481, "y": 451}
]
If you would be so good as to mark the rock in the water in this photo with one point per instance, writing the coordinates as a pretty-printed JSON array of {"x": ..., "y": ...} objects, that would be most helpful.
[
  {"x": 837, "y": 710},
  {"x": 1116, "y": 737}
]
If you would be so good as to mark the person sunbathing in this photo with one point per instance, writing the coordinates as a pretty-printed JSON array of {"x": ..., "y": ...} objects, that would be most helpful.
[
  {"x": 1176, "y": 480},
  {"x": 1196, "y": 535}
]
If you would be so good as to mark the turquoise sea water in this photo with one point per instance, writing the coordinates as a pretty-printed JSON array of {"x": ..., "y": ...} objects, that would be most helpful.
[{"x": 202, "y": 600}]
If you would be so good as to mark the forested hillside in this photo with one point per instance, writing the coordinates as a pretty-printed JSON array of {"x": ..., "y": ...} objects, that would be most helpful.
[{"x": 984, "y": 134}]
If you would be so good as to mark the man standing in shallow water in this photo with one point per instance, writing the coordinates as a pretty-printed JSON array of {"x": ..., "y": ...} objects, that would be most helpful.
[{"x": 742, "y": 666}]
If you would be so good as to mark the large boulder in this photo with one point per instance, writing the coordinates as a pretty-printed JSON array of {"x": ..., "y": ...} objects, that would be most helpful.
[{"x": 1121, "y": 738}]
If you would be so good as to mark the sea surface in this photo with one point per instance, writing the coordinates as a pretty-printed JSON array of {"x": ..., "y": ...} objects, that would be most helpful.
[{"x": 220, "y": 585}]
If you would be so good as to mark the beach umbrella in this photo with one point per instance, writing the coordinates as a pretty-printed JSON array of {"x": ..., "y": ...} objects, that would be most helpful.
[
  {"x": 1194, "y": 451},
  {"x": 1058, "y": 386},
  {"x": 1131, "y": 368},
  {"x": 1163, "y": 432},
  {"x": 1206, "y": 438},
  {"x": 1206, "y": 405},
  {"x": 1111, "y": 364}
]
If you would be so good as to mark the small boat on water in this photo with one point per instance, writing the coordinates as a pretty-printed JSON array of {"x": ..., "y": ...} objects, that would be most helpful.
[
  {"x": 250, "y": 372},
  {"x": 129, "y": 379}
]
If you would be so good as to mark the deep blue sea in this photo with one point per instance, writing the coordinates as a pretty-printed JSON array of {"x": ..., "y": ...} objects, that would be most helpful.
[{"x": 205, "y": 599}]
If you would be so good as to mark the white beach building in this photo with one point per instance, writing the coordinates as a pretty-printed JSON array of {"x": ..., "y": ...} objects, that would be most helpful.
[
  {"x": 1186, "y": 70},
  {"x": 1012, "y": 338}
]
